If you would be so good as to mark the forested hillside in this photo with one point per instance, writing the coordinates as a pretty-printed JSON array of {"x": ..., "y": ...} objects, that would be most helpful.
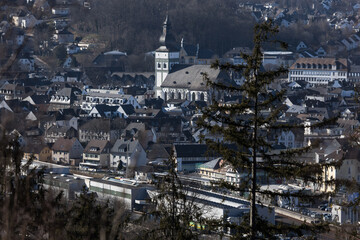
[{"x": 135, "y": 26}]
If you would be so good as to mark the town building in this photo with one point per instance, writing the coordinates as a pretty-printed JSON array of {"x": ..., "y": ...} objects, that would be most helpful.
[
  {"x": 110, "y": 97},
  {"x": 127, "y": 153},
  {"x": 96, "y": 155},
  {"x": 130, "y": 192},
  {"x": 67, "y": 151},
  {"x": 69, "y": 185},
  {"x": 65, "y": 98},
  {"x": 319, "y": 71}
]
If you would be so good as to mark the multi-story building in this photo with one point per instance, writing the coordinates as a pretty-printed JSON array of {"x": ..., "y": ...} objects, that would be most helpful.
[
  {"x": 65, "y": 98},
  {"x": 319, "y": 70},
  {"x": 127, "y": 153},
  {"x": 273, "y": 59},
  {"x": 109, "y": 97},
  {"x": 99, "y": 129},
  {"x": 67, "y": 151},
  {"x": 96, "y": 155}
]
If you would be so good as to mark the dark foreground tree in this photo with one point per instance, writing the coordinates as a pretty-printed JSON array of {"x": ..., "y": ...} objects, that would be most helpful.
[
  {"x": 29, "y": 211},
  {"x": 176, "y": 214},
  {"x": 250, "y": 125}
]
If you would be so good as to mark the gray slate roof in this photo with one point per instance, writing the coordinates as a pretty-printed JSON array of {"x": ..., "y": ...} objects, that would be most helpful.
[
  {"x": 192, "y": 78},
  {"x": 213, "y": 164}
]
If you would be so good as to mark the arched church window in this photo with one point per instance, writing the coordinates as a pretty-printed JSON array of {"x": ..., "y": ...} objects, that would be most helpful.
[
  {"x": 193, "y": 97},
  {"x": 179, "y": 95},
  {"x": 172, "y": 95},
  {"x": 202, "y": 97}
]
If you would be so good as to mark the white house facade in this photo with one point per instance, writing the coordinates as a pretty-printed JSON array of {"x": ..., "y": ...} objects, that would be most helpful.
[
  {"x": 94, "y": 98},
  {"x": 319, "y": 71}
]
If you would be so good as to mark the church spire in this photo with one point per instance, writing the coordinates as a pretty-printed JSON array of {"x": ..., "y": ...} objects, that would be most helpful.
[{"x": 167, "y": 39}]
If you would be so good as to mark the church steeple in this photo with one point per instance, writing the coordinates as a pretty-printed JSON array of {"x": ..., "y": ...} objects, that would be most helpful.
[
  {"x": 167, "y": 40},
  {"x": 165, "y": 57}
]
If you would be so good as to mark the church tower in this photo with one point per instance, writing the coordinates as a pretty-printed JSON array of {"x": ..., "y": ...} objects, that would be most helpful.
[{"x": 165, "y": 57}]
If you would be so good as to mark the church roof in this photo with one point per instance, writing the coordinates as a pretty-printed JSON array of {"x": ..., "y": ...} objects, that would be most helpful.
[
  {"x": 192, "y": 77},
  {"x": 197, "y": 51}
]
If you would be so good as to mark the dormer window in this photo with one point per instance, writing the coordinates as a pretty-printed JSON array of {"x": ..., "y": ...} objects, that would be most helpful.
[
  {"x": 94, "y": 149},
  {"x": 122, "y": 149}
]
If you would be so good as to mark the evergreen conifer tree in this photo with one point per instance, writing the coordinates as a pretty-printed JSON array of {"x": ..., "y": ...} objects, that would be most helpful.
[{"x": 250, "y": 125}]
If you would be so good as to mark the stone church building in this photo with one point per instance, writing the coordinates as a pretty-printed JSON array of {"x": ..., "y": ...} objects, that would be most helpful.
[{"x": 175, "y": 80}]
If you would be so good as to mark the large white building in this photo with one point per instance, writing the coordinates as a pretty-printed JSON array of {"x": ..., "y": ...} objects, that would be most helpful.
[
  {"x": 319, "y": 70},
  {"x": 95, "y": 97}
]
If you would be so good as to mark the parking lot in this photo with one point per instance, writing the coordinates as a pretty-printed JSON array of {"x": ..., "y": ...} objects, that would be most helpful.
[{"x": 322, "y": 213}]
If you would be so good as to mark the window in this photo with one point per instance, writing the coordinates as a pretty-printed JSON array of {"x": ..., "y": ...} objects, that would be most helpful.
[{"x": 165, "y": 66}]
